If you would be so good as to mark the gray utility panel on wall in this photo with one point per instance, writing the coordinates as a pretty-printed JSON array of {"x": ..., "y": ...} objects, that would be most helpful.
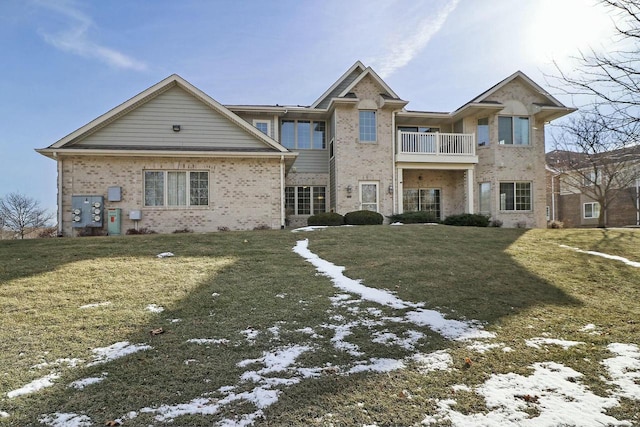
[{"x": 87, "y": 211}]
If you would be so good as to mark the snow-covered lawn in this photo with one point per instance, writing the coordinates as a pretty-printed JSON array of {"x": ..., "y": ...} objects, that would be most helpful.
[{"x": 551, "y": 390}]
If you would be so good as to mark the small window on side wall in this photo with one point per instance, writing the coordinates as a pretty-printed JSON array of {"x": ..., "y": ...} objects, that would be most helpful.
[
  {"x": 263, "y": 126},
  {"x": 591, "y": 210},
  {"x": 483, "y": 132}
]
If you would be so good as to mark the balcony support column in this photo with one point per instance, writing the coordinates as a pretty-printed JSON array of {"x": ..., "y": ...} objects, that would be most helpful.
[
  {"x": 399, "y": 191},
  {"x": 470, "y": 184}
]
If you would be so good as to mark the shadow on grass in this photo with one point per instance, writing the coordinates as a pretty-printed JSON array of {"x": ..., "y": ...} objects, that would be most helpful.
[{"x": 465, "y": 273}]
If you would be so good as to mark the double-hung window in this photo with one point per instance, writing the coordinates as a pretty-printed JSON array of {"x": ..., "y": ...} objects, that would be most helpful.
[
  {"x": 368, "y": 132},
  {"x": 303, "y": 134},
  {"x": 305, "y": 200},
  {"x": 176, "y": 188},
  {"x": 591, "y": 210},
  {"x": 513, "y": 130},
  {"x": 515, "y": 196},
  {"x": 482, "y": 132}
]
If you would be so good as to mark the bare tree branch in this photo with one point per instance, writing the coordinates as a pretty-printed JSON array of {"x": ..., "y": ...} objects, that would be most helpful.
[{"x": 20, "y": 213}]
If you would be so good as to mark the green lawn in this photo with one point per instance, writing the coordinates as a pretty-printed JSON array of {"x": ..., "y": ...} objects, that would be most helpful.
[{"x": 286, "y": 346}]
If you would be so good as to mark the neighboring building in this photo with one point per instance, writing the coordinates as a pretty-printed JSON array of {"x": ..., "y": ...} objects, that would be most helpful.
[
  {"x": 571, "y": 192},
  {"x": 172, "y": 158}
]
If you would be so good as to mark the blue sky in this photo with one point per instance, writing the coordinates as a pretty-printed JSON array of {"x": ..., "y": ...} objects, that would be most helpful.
[{"x": 67, "y": 62}]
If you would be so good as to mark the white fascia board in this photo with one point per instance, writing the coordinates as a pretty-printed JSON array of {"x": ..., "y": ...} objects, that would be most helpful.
[
  {"x": 369, "y": 72},
  {"x": 354, "y": 67},
  {"x": 56, "y": 153}
]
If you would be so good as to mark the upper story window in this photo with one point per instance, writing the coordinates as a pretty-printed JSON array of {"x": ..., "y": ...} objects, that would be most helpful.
[
  {"x": 303, "y": 135},
  {"x": 263, "y": 126},
  {"x": 592, "y": 178},
  {"x": 176, "y": 188},
  {"x": 482, "y": 132},
  {"x": 421, "y": 129},
  {"x": 368, "y": 126},
  {"x": 513, "y": 130}
]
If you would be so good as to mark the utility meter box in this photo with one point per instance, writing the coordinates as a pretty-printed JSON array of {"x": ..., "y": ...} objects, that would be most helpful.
[
  {"x": 87, "y": 211},
  {"x": 113, "y": 221}
]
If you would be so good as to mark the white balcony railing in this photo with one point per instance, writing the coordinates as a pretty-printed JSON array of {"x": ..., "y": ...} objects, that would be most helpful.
[{"x": 436, "y": 144}]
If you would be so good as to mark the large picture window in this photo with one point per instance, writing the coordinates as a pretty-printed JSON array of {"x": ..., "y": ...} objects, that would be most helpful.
[
  {"x": 515, "y": 196},
  {"x": 422, "y": 199},
  {"x": 305, "y": 200},
  {"x": 484, "y": 198},
  {"x": 303, "y": 135},
  {"x": 513, "y": 130},
  {"x": 368, "y": 126},
  {"x": 176, "y": 188}
]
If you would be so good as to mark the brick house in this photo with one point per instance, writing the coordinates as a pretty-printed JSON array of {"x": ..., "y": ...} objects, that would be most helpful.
[
  {"x": 172, "y": 157},
  {"x": 571, "y": 200}
]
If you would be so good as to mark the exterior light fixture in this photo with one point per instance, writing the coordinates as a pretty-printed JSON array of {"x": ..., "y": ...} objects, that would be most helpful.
[
  {"x": 390, "y": 189},
  {"x": 176, "y": 128},
  {"x": 349, "y": 189}
]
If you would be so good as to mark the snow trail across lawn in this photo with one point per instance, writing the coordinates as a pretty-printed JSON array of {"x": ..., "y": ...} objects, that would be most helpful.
[
  {"x": 603, "y": 255},
  {"x": 449, "y": 328}
]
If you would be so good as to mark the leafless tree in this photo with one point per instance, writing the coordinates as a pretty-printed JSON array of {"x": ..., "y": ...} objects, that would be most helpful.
[
  {"x": 21, "y": 213},
  {"x": 611, "y": 79},
  {"x": 595, "y": 160}
]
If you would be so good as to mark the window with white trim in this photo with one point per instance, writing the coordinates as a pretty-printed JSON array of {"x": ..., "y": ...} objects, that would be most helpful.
[
  {"x": 484, "y": 198},
  {"x": 303, "y": 134},
  {"x": 368, "y": 128},
  {"x": 592, "y": 178},
  {"x": 515, "y": 196},
  {"x": 305, "y": 200},
  {"x": 176, "y": 188},
  {"x": 263, "y": 126},
  {"x": 422, "y": 199},
  {"x": 591, "y": 210},
  {"x": 369, "y": 196},
  {"x": 513, "y": 130}
]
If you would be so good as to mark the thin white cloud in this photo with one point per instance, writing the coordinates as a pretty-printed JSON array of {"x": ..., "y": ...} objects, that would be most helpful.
[
  {"x": 76, "y": 39},
  {"x": 410, "y": 39}
]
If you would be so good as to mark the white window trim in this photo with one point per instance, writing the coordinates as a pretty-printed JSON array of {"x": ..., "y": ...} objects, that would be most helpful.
[
  {"x": 267, "y": 122},
  {"x": 593, "y": 210},
  {"x": 513, "y": 132},
  {"x": 377, "y": 184},
  {"x": 311, "y": 206},
  {"x": 165, "y": 189},
  {"x": 375, "y": 115}
]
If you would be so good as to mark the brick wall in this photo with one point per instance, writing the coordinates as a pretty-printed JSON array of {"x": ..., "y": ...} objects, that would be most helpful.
[{"x": 243, "y": 193}]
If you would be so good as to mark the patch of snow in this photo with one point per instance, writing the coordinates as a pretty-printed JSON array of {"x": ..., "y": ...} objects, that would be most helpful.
[
  {"x": 275, "y": 331},
  {"x": 588, "y": 327},
  {"x": 165, "y": 255},
  {"x": 389, "y": 338},
  {"x": 215, "y": 294},
  {"x": 33, "y": 386},
  {"x": 460, "y": 387},
  {"x": 4, "y": 414},
  {"x": 208, "y": 341},
  {"x": 72, "y": 363},
  {"x": 482, "y": 348},
  {"x": 277, "y": 360},
  {"x": 439, "y": 360},
  {"x": 507, "y": 349},
  {"x": 80, "y": 384},
  {"x": 624, "y": 369},
  {"x": 116, "y": 351},
  {"x": 283, "y": 295},
  {"x": 155, "y": 308},
  {"x": 396, "y": 223},
  {"x": 457, "y": 330},
  {"x": 59, "y": 419},
  {"x": 250, "y": 334},
  {"x": 536, "y": 342},
  {"x": 174, "y": 320},
  {"x": 309, "y": 228},
  {"x": 554, "y": 390},
  {"x": 603, "y": 255},
  {"x": 376, "y": 365},
  {"x": 346, "y": 284},
  {"x": 95, "y": 305}
]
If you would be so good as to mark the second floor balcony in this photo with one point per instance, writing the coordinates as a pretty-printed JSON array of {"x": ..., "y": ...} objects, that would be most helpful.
[{"x": 422, "y": 147}]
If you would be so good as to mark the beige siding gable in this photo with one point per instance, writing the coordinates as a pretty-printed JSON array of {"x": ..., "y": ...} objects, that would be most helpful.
[{"x": 150, "y": 126}]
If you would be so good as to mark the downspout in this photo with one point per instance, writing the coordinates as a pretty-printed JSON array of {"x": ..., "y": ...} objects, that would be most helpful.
[
  {"x": 60, "y": 181},
  {"x": 282, "y": 211},
  {"x": 553, "y": 198}
]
